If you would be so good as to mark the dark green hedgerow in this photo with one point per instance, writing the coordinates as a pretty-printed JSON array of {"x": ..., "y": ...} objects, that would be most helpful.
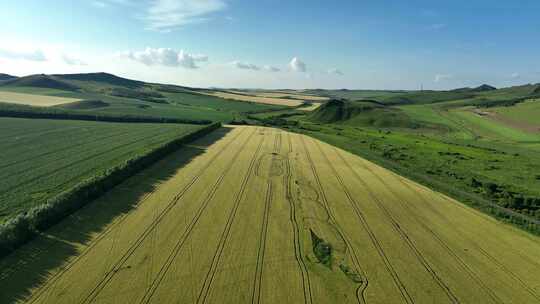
[
  {"x": 26, "y": 226},
  {"x": 24, "y": 111}
]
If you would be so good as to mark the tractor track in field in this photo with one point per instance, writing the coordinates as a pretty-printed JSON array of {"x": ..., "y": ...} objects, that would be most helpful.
[
  {"x": 459, "y": 205},
  {"x": 375, "y": 242},
  {"x": 459, "y": 260},
  {"x": 209, "y": 278},
  {"x": 509, "y": 272},
  {"x": 405, "y": 205},
  {"x": 103, "y": 234},
  {"x": 71, "y": 146},
  {"x": 101, "y": 284},
  {"x": 306, "y": 284},
  {"x": 360, "y": 291},
  {"x": 256, "y": 294},
  {"x": 95, "y": 242},
  {"x": 187, "y": 232},
  {"x": 78, "y": 161},
  {"x": 404, "y": 236}
]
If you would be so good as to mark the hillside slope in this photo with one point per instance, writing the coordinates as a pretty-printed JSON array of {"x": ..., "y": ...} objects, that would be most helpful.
[
  {"x": 41, "y": 81},
  {"x": 4, "y": 77},
  {"x": 362, "y": 113}
]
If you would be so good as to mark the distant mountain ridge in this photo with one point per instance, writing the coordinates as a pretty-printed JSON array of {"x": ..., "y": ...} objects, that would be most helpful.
[
  {"x": 40, "y": 81},
  {"x": 4, "y": 77},
  {"x": 482, "y": 88},
  {"x": 104, "y": 78}
]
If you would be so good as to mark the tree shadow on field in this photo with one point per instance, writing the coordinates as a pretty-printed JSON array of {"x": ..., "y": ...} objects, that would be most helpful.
[{"x": 28, "y": 267}]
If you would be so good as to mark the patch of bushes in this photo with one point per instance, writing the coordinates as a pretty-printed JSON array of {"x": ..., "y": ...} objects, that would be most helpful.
[
  {"x": 321, "y": 249},
  {"x": 506, "y": 198},
  {"x": 28, "y": 225},
  {"x": 137, "y": 94}
]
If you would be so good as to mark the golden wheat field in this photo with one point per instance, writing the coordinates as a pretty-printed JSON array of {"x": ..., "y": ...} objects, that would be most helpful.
[
  {"x": 278, "y": 94},
  {"x": 260, "y": 215},
  {"x": 258, "y": 99},
  {"x": 34, "y": 100}
]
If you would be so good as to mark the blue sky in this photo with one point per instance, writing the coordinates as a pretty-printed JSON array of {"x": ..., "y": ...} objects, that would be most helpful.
[{"x": 278, "y": 44}]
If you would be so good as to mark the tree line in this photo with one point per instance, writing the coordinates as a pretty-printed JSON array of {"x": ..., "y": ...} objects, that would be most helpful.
[{"x": 26, "y": 226}]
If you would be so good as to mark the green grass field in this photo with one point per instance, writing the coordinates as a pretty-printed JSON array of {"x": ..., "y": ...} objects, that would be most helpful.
[
  {"x": 527, "y": 112},
  {"x": 41, "y": 158}
]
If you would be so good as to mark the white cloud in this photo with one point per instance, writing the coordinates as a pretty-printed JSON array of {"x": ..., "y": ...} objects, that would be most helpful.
[
  {"x": 443, "y": 77},
  {"x": 515, "y": 76},
  {"x": 30, "y": 55},
  {"x": 166, "y": 57},
  {"x": 335, "y": 72},
  {"x": 167, "y": 15},
  {"x": 270, "y": 68},
  {"x": 71, "y": 60},
  {"x": 297, "y": 65},
  {"x": 245, "y": 66}
]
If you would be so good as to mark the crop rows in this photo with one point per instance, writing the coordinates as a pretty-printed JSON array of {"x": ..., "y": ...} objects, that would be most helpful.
[
  {"x": 266, "y": 216},
  {"x": 43, "y": 161}
]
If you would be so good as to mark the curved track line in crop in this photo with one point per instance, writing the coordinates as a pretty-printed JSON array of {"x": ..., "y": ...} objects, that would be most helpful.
[
  {"x": 256, "y": 294},
  {"x": 439, "y": 239},
  {"x": 185, "y": 235},
  {"x": 360, "y": 291},
  {"x": 470, "y": 211},
  {"x": 123, "y": 259},
  {"x": 306, "y": 284},
  {"x": 406, "y": 206},
  {"x": 208, "y": 280},
  {"x": 404, "y": 236},
  {"x": 375, "y": 242}
]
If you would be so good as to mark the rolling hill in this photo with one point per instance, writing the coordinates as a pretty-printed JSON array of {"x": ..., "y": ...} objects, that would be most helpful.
[
  {"x": 5, "y": 77},
  {"x": 41, "y": 81},
  {"x": 362, "y": 113}
]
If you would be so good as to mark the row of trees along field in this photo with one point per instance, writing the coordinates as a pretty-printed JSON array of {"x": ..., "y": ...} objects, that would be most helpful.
[
  {"x": 24, "y": 111},
  {"x": 24, "y": 227}
]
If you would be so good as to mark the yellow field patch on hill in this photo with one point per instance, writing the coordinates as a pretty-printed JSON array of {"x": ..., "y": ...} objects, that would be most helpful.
[
  {"x": 278, "y": 94},
  {"x": 34, "y": 100},
  {"x": 265, "y": 100},
  {"x": 263, "y": 215}
]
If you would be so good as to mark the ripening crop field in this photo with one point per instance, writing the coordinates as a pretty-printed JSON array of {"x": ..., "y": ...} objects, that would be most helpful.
[
  {"x": 34, "y": 100},
  {"x": 258, "y": 99},
  {"x": 260, "y": 215},
  {"x": 42, "y": 157}
]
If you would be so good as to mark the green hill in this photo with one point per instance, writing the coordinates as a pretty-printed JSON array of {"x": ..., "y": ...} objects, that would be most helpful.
[
  {"x": 362, "y": 113},
  {"x": 41, "y": 81},
  {"x": 100, "y": 78},
  {"x": 4, "y": 77},
  {"x": 84, "y": 105}
]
